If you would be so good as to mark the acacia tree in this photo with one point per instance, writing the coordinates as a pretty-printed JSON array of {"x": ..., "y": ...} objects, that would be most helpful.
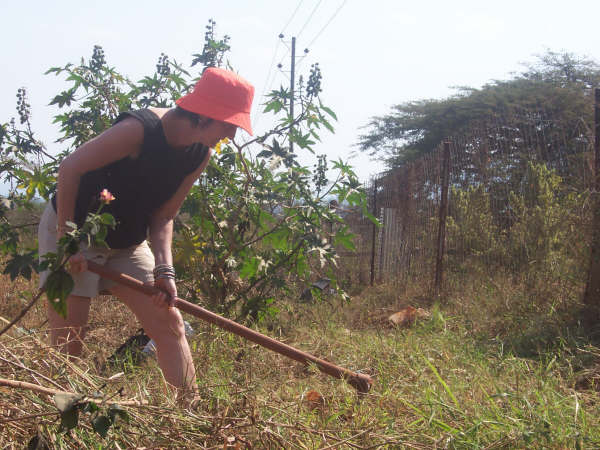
[
  {"x": 250, "y": 224},
  {"x": 557, "y": 84}
]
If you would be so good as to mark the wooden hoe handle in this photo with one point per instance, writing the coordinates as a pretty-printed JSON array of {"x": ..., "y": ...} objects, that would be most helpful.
[{"x": 361, "y": 382}]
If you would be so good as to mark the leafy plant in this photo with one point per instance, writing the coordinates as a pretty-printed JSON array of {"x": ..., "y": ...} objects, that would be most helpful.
[
  {"x": 254, "y": 223},
  {"x": 59, "y": 283},
  {"x": 101, "y": 418}
]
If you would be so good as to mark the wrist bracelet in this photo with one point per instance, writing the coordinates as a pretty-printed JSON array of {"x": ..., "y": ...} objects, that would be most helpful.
[
  {"x": 164, "y": 276},
  {"x": 158, "y": 274},
  {"x": 164, "y": 269}
]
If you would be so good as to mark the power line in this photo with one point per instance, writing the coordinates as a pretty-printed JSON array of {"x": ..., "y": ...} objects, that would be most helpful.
[
  {"x": 325, "y": 26},
  {"x": 268, "y": 83},
  {"x": 281, "y": 36},
  {"x": 270, "y": 71},
  {"x": 271, "y": 76},
  {"x": 328, "y": 22},
  {"x": 293, "y": 14},
  {"x": 309, "y": 17},
  {"x": 280, "y": 63}
]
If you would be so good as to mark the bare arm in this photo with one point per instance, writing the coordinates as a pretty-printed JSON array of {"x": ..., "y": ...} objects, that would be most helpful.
[
  {"x": 121, "y": 140},
  {"x": 161, "y": 233}
]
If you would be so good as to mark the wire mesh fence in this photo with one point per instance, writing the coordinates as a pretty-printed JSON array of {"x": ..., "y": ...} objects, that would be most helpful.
[{"x": 517, "y": 198}]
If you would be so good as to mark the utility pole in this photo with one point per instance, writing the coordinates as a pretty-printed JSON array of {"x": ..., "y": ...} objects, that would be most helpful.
[{"x": 292, "y": 81}]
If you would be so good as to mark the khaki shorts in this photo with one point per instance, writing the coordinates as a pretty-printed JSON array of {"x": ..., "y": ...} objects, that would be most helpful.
[{"x": 136, "y": 261}]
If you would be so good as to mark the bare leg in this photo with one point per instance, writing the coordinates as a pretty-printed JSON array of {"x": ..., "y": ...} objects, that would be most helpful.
[
  {"x": 67, "y": 334},
  {"x": 166, "y": 327}
]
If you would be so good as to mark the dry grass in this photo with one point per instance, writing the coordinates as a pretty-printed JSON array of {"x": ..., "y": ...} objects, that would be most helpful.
[
  {"x": 438, "y": 384},
  {"x": 249, "y": 394}
]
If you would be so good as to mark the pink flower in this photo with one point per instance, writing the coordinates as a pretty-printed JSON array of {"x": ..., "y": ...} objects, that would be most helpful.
[{"x": 106, "y": 197}]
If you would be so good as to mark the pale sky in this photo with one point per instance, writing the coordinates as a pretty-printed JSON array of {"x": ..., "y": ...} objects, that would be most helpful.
[{"x": 373, "y": 54}]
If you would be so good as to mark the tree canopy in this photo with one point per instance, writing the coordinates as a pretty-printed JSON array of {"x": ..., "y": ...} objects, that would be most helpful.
[{"x": 557, "y": 85}]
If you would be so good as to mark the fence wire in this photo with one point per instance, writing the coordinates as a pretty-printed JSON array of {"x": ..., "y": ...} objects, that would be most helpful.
[{"x": 518, "y": 200}]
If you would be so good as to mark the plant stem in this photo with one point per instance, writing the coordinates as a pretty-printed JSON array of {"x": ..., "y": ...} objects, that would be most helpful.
[{"x": 23, "y": 311}]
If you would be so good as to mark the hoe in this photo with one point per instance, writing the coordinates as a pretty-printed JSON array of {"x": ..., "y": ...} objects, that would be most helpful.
[{"x": 361, "y": 382}]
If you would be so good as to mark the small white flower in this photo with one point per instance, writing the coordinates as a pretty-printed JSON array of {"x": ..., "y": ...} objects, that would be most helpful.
[
  {"x": 262, "y": 264},
  {"x": 230, "y": 262},
  {"x": 275, "y": 162},
  {"x": 322, "y": 252}
]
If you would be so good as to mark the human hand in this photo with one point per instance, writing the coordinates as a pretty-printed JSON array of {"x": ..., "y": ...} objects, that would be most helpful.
[
  {"x": 77, "y": 264},
  {"x": 165, "y": 298}
]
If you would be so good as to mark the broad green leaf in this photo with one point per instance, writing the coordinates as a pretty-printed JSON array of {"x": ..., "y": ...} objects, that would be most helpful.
[
  {"x": 327, "y": 125},
  {"x": 101, "y": 425},
  {"x": 249, "y": 268},
  {"x": 72, "y": 247},
  {"x": 67, "y": 404},
  {"x": 265, "y": 154},
  {"x": 328, "y": 111},
  {"x": 108, "y": 219},
  {"x": 343, "y": 237},
  {"x": 274, "y": 106},
  {"x": 21, "y": 264},
  {"x": 90, "y": 407},
  {"x": 100, "y": 237},
  {"x": 278, "y": 239},
  {"x": 69, "y": 419},
  {"x": 56, "y": 70},
  {"x": 265, "y": 218},
  {"x": 59, "y": 285},
  {"x": 115, "y": 411}
]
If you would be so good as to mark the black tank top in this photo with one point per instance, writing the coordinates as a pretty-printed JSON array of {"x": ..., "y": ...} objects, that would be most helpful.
[{"x": 139, "y": 185}]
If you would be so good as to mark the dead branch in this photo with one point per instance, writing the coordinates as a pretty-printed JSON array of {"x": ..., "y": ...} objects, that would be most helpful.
[
  {"x": 49, "y": 391},
  {"x": 23, "y": 312}
]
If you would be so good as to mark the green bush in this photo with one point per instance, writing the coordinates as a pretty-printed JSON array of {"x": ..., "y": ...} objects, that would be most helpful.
[{"x": 251, "y": 222}]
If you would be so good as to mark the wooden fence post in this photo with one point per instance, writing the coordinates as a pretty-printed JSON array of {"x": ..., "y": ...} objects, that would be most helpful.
[
  {"x": 381, "y": 244},
  {"x": 374, "y": 232},
  {"x": 592, "y": 289},
  {"x": 441, "y": 243}
]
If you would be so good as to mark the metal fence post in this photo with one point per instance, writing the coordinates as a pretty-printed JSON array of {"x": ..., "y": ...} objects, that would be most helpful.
[
  {"x": 374, "y": 232},
  {"x": 592, "y": 288},
  {"x": 441, "y": 242}
]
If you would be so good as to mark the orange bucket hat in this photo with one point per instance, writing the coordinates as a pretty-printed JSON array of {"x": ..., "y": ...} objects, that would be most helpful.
[{"x": 221, "y": 95}]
